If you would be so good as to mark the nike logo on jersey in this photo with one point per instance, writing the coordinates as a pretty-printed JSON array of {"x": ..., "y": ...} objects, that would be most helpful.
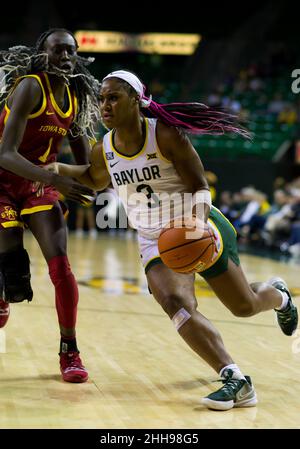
[
  {"x": 112, "y": 165},
  {"x": 49, "y": 113}
]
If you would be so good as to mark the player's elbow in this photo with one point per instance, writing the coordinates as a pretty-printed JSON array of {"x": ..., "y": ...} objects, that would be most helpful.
[{"x": 6, "y": 160}]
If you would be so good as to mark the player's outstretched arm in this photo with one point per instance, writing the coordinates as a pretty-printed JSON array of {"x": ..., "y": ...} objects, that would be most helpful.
[{"x": 93, "y": 175}]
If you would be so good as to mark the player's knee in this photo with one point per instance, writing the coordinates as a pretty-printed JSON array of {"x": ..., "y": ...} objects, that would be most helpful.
[
  {"x": 172, "y": 302},
  {"x": 15, "y": 266}
]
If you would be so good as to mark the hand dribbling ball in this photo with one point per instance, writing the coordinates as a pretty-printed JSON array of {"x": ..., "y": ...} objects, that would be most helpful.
[{"x": 187, "y": 245}]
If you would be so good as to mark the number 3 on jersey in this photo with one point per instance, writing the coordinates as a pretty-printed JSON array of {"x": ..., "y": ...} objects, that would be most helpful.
[{"x": 147, "y": 190}]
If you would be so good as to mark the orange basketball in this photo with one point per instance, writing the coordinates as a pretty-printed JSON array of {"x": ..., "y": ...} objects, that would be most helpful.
[{"x": 186, "y": 245}]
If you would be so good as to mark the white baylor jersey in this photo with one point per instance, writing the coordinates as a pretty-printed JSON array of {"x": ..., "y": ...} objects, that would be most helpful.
[{"x": 147, "y": 183}]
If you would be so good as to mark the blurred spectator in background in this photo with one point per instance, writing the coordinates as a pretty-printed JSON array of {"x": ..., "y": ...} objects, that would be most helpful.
[
  {"x": 215, "y": 97},
  {"x": 288, "y": 115},
  {"x": 256, "y": 84},
  {"x": 279, "y": 183},
  {"x": 277, "y": 225},
  {"x": 237, "y": 206},
  {"x": 253, "y": 216},
  {"x": 85, "y": 219},
  {"x": 225, "y": 204},
  {"x": 212, "y": 180},
  {"x": 233, "y": 105},
  {"x": 277, "y": 104},
  {"x": 157, "y": 87}
]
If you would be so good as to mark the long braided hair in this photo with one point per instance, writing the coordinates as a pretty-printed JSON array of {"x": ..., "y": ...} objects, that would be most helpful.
[
  {"x": 21, "y": 60},
  {"x": 191, "y": 117}
]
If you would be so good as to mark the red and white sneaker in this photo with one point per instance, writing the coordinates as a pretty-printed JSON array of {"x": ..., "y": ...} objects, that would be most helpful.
[
  {"x": 4, "y": 312},
  {"x": 71, "y": 367}
]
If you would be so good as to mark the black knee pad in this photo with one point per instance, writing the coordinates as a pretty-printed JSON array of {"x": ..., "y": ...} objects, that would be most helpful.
[{"x": 16, "y": 276}]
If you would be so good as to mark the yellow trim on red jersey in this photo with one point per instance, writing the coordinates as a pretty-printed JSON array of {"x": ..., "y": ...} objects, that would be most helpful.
[
  {"x": 44, "y": 102},
  {"x": 32, "y": 210},
  {"x": 7, "y": 113},
  {"x": 53, "y": 102},
  {"x": 12, "y": 224},
  {"x": 44, "y": 156},
  {"x": 75, "y": 105}
]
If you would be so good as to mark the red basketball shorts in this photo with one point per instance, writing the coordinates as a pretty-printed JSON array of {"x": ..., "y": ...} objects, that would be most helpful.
[{"x": 18, "y": 197}]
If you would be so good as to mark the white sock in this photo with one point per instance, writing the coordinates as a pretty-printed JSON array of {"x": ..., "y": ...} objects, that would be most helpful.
[
  {"x": 237, "y": 372},
  {"x": 285, "y": 299}
]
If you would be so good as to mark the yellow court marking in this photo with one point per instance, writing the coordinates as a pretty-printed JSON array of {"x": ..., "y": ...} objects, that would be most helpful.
[{"x": 134, "y": 286}]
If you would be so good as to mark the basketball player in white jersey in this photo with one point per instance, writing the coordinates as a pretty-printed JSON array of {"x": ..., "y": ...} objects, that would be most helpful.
[{"x": 150, "y": 157}]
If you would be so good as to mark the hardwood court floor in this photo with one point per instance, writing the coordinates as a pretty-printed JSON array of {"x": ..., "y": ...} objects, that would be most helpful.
[{"x": 142, "y": 375}]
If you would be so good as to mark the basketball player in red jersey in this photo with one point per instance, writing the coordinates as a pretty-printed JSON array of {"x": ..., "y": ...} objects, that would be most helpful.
[
  {"x": 151, "y": 157},
  {"x": 49, "y": 94}
]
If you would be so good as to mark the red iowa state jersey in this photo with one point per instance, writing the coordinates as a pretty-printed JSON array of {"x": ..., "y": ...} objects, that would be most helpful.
[{"x": 46, "y": 127}]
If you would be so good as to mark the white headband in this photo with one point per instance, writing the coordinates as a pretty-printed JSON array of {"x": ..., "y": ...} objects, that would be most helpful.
[{"x": 134, "y": 82}]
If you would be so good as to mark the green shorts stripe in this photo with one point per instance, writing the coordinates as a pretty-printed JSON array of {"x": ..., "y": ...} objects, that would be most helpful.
[
  {"x": 151, "y": 263},
  {"x": 230, "y": 249}
]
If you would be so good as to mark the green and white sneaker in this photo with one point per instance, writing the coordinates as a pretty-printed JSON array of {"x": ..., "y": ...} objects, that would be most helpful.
[
  {"x": 287, "y": 318},
  {"x": 235, "y": 392}
]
